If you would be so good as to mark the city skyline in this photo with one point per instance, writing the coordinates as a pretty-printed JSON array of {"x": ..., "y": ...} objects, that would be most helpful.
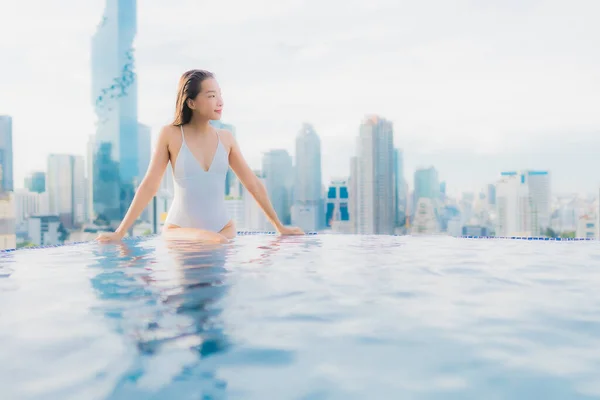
[{"x": 506, "y": 101}]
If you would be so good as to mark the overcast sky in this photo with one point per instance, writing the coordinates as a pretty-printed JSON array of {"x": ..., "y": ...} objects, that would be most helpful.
[{"x": 472, "y": 87}]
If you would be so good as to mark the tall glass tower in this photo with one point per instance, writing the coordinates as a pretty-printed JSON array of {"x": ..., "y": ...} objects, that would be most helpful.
[
  {"x": 6, "y": 154},
  {"x": 114, "y": 98}
]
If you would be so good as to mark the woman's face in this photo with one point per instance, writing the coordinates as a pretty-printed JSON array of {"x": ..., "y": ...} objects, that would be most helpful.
[{"x": 208, "y": 103}]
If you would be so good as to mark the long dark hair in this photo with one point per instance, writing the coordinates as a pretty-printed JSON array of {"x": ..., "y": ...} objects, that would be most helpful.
[{"x": 189, "y": 87}]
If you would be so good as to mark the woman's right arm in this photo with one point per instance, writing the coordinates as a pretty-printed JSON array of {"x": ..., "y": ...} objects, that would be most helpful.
[{"x": 147, "y": 189}]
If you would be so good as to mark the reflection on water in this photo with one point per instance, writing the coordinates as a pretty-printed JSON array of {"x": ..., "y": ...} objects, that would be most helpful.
[{"x": 166, "y": 303}]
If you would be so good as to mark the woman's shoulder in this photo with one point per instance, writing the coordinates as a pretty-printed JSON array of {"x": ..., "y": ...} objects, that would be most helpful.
[
  {"x": 226, "y": 136},
  {"x": 168, "y": 131},
  {"x": 168, "y": 134}
]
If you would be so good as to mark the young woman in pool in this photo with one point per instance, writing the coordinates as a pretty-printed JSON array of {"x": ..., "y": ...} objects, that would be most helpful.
[{"x": 200, "y": 155}]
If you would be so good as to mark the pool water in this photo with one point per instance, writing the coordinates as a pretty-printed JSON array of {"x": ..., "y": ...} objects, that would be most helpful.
[{"x": 312, "y": 317}]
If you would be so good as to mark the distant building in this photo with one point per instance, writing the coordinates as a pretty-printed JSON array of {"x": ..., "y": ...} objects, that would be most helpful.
[
  {"x": 514, "y": 207},
  {"x": 538, "y": 183},
  {"x": 66, "y": 188},
  {"x": 44, "y": 230},
  {"x": 353, "y": 203},
  {"x": 159, "y": 208},
  {"x": 373, "y": 178},
  {"x": 254, "y": 217},
  {"x": 427, "y": 185},
  {"x": 474, "y": 230},
  {"x": 236, "y": 210},
  {"x": 337, "y": 202},
  {"x": 6, "y": 153},
  {"x": 401, "y": 188},
  {"x": 587, "y": 226},
  {"x": 454, "y": 226},
  {"x": 426, "y": 219},
  {"x": 114, "y": 95},
  {"x": 307, "y": 210},
  {"x": 491, "y": 194},
  {"x": 144, "y": 156},
  {"x": 26, "y": 203},
  {"x": 36, "y": 182},
  {"x": 8, "y": 237},
  {"x": 278, "y": 172}
]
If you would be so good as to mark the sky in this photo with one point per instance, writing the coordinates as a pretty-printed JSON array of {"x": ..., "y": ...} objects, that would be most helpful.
[{"x": 472, "y": 88}]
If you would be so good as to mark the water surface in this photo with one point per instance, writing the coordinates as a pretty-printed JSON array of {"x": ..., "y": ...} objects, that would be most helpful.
[{"x": 314, "y": 317}]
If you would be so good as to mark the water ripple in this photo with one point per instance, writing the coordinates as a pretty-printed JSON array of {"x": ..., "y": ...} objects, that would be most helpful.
[{"x": 315, "y": 317}]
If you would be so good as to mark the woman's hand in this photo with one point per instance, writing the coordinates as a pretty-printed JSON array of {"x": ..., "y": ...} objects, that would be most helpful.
[
  {"x": 106, "y": 237},
  {"x": 290, "y": 230}
]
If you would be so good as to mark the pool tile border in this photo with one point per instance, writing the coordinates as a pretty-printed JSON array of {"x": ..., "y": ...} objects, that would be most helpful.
[{"x": 250, "y": 233}]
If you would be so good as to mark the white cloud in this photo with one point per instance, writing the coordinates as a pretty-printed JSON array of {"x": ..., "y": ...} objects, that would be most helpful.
[{"x": 462, "y": 78}]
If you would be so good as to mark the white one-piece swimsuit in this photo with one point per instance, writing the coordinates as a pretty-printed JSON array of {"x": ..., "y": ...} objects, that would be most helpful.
[{"x": 199, "y": 198}]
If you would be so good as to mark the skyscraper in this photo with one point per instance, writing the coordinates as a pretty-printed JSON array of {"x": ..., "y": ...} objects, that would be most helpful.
[
  {"x": 513, "y": 207},
  {"x": 427, "y": 185},
  {"x": 491, "y": 194},
  {"x": 401, "y": 187},
  {"x": 353, "y": 195},
  {"x": 66, "y": 188},
  {"x": 307, "y": 211},
  {"x": 538, "y": 183},
  {"x": 114, "y": 97},
  {"x": 144, "y": 150},
  {"x": 278, "y": 173},
  {"x": 254, "y": 217},
  {"x": 8, "y": 237},
  {"x": 36, "y": 182},
  {"x": 373, "y": 178},
  {"x": 6, "y": 153},
  {"x": 337, "y": 216}
]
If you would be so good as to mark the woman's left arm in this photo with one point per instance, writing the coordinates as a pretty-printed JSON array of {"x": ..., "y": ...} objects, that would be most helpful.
[{"x": 254, "y": 186}]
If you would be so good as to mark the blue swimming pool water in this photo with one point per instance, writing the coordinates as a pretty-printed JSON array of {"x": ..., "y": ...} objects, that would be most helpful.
[{"x": 315, "y": 317}]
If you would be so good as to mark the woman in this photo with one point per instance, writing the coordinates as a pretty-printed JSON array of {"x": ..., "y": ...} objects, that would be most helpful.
[{"x": 200, "y": 156}]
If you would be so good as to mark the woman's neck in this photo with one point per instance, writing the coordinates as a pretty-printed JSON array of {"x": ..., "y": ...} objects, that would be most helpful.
[{"x": 200, "y": 125}]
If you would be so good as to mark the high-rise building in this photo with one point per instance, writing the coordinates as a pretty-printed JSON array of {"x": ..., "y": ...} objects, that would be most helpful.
[
  {"x": 373, "y": 173},
  {"x": 538, "y": 183},
  {"x": 114, "y": 97},
  {"x": 587, "y": 226},
  {"x": 278, "y": 172},
  {"x": 66, "y": 188},
  {"x": 236, "y": 210},
  {"x": 89, "y": 179},
  {"x": 426, "y": 219},
  {"x": 514, "y": 207},
  {"x": 145, "y": 153},
  {"x": 443, "y": 191},
  {"x": 401, "y": 187},
  {"x": 145, "y": 150},
  {"x": 491, "y": 194},
  {"x": 36, "y": 182},
  {"x": 27, "y": 204},
  {"x": 353, "y": 195},
  {"x": 8, "y": 237},
  {"x": 427, "y": 185},
  {"x": 6, "y": 154},
  {"x": 254, "y": 217},
  {"x": 44, "y": 230},
  {"x": 307, "y": 211},
  {"x": 337, "y": 214}
]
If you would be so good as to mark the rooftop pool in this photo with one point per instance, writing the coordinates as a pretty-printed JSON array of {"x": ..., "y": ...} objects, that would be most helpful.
[{"x": 311, "y": 317}]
